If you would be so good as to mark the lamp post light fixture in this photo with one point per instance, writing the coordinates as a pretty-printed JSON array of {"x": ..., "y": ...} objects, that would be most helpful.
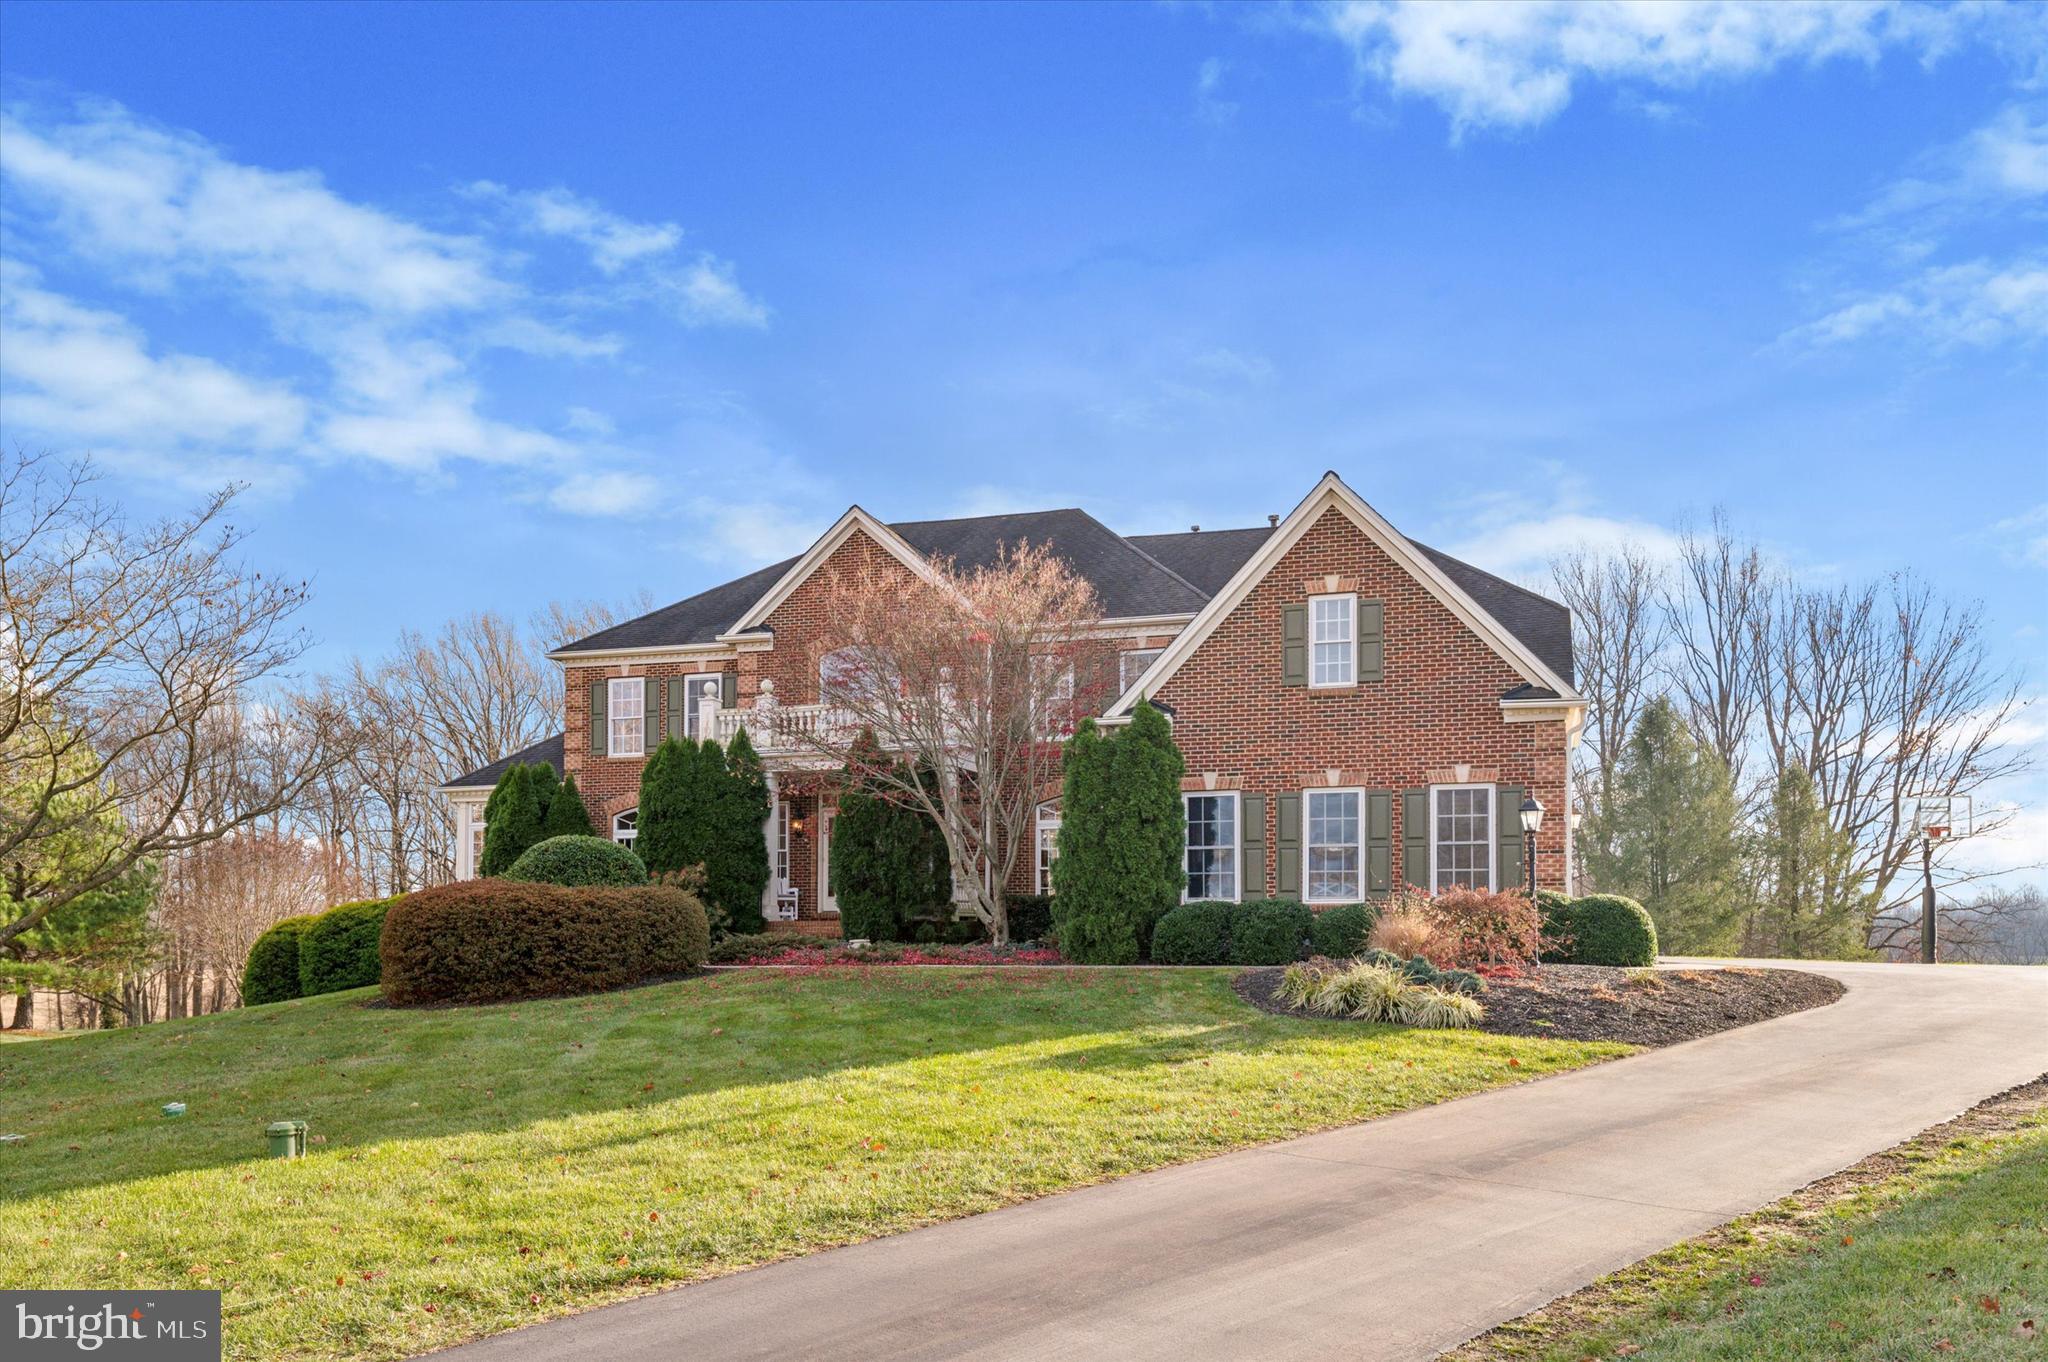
[{"x": 1532, "y": 819}]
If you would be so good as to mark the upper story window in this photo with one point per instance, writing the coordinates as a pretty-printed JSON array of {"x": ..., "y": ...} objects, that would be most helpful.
[
  {"x": 1333, "y": 640},
  {"x": 1461, "y": 842},
  {"x": 1212, "y": 846},
  {"x": 1130, "y": 666},
  {"x": 696, "y": 690},
  {"x": 1335, "y": 845},
  {"x": 626, "y": 710}
]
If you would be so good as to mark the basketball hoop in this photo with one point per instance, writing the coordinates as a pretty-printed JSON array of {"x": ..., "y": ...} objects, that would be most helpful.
[{"x": 1937, "y": 818}]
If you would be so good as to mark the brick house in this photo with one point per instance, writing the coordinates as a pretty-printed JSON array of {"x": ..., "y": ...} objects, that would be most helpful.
[{"x": 1357, "y": 711}]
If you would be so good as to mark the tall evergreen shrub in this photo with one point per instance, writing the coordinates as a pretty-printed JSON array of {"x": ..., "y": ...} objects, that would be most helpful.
[
  {"x": 889, "y": 861},
  {"x": 566, "y": 815},
  {"x": 736, "y": 863},
  {"x": 512, "y": 819},
  {"x": 1123, "y": 838}
]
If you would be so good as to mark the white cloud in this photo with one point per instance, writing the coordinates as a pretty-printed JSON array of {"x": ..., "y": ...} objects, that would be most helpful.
[
  {"x": 168, "y": 204},
  {"x": 1522, "y": 548},
  {"x": 614, "y": 241},
  {"x": 606, "y": 494},
  {"x": 90, "y": 375},
  {"x": 752, "y": 533},
  {"x": 704, "y": 292},
  {"x": 1515, "y": 63},
  {"x": 2006, "y": 160},
  {"x": 1976, "y": 305},
  {"x": 2026, "y": 538},
  {"x": 1210, "y": 105}
]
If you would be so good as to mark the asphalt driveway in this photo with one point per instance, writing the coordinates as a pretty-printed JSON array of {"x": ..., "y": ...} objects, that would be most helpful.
[{"x": 1393, "y": 1239}]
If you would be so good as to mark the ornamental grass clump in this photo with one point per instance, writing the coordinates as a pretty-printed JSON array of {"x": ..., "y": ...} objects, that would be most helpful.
[{"x": 1363, "y": 991}]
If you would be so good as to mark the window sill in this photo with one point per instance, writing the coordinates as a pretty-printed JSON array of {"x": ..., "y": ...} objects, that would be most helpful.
[{"x": 1345, "y": 689}]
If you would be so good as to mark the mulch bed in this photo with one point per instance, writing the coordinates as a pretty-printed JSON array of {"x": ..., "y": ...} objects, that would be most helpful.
[{"x": 1636, "y": 1007}]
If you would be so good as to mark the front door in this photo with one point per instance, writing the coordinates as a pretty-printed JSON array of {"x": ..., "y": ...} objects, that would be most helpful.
[{"x": 828, "y": 902}]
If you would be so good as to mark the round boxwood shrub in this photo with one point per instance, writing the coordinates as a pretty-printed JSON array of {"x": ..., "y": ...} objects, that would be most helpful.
[
  {"x": 272, "y": 972},
  {"x": 1193, "y": 934},
  {"x": 1340, "y": 932},
  {"x": 1603, "y": 929},
  {"x": 338, "y": 948},
  {"x": 1269, "y": 932},
  {"x": 1030, "y": 916},
  {"x": 485, "y": 940},
  {"x": 574, "y": 860}
]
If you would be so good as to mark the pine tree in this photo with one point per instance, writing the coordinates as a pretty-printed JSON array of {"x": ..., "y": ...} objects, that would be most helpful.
[
  {"x": 661, "y": 838},
  {"x": 1123, "y": 839},
  {"x": 512, "y": 820},
  {"x": 738, "y": 872},
  {"x": 1669, "y": 835},
  {"x": 889, "y": 860},
  {"x": 1811, "y": 905},
  {"x": 566, "y": 815},
  {"x": 545, "y": 784}
]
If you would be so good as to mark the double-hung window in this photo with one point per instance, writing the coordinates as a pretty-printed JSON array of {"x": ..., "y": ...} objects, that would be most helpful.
[
  {"x": 1461, "y": 842},
  {"x": 1048, "y": 844},
  {"x": 1130, "y": 666},
  {"x": 695, "y": 690},
  {"x": 626, "y": 827},
  {"x": 1333, "y": 640},
  {"x": 1212, "y": 846},
  {"x": 626, "y": 712},
  {"x": 781, "y": 844},
  {"x": 1335, "y": 845}
]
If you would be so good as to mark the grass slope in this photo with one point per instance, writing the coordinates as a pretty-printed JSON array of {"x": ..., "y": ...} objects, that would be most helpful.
[
  {"x": 1946, "y": 1259},
  {"x": 484, "y": 1168}
]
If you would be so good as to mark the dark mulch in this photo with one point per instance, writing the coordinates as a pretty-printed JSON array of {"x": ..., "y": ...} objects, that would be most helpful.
[{"x": 1637, "y": 1007}]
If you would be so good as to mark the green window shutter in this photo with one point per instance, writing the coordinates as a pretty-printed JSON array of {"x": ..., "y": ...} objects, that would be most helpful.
[
  {"x": 728, "y": 690},
  {"x": 1415, "y": 838},
  {"x": 597, "y": 717},
  {"x": 1294, "y": 645},
  {"x": 1252, "y": 832},
  {"x": 678, "y": 706},
  {"x": 1507, "y": 836},
  {"x": 1372, "y": 641},
  {"x": 1379, "y": 843},
  {"x": 1287, "y": 848}
]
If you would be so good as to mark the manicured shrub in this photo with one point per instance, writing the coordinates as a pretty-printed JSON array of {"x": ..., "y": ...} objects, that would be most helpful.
[
  {"x": 566, "y": 815},
  {"x": 1269, "y": 931},
  {"x": 512, "y": 816},
  {"x": 1341, "y": 932},
  {"x": 578, "y": 860},
  {"x": 1602, "y": 929},
  {"x": 747, "y": 949},
  {"x": 736, "y": 867},
  {"x": 338, "y": 948},
  {"x": 1192, "y": 934},
  {"x": 1123, "y": 838},
  {"x": 272, "y": 972},
  {"x": 1030, "y": 916},
  {"x": 678, "y": 813},
  {"x": 889, "y": 862},
  {"x": 486, "y": 940}
]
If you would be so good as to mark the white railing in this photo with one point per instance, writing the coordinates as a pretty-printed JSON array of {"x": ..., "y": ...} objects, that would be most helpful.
[{"x": 778, "y": 729}]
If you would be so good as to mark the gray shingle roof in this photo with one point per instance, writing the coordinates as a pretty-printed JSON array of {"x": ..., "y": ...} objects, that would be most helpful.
[
  {"x": 548, "y": 750},
  {"x": 1140, "y": 574}
]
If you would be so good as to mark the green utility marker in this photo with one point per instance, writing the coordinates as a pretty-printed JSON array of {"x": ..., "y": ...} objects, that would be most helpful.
[{"x": 287, "y": 1139}]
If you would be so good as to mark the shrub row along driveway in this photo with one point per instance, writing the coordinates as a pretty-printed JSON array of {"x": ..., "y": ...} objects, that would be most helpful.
[{"x": 1394, "y": 1239}]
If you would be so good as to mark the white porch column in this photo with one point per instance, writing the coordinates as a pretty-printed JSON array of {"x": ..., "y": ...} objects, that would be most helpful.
[{"x": 769, "y": 907}]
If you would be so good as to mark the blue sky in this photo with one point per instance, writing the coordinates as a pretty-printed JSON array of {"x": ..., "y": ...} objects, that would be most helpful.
[{"x": 492, "y": 305}]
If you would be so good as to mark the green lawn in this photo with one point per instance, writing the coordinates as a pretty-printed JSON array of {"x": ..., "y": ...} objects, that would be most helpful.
[
  {"x": 487, "y": 1167},
  {"x": 1949, "y": 1259}
]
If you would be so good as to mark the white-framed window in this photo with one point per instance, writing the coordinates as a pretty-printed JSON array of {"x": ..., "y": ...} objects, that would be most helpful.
[
  {"x": 1048, "y": 844},
  {"x": 1130, "y": 666},
  {"x": 1212, "y": 846},
  {"x": 625, "y": 827},
  {"x": 839, "y": 673},
  {"x": 1052, "y": 678},
  {"x": 695, "y": 688},
  {"x": 1335, "y": 845},
  {"x": 1461, "y": 840},
  {"x": 626, "y": 713},
  {"x": 781, "y": 844},
  {"x": 476, "y": 838},
  {"x": 1333, "y": 640}
]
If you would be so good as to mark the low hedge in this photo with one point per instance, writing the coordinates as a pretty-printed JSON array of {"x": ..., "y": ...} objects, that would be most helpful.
[
  {"x": 1340, "y": 933},
  {"x": 1270, "y": 932},
  {"x": 1599, "y": 929},
  {"x": 271, "y": 974},
  {"x": 578, "y": 860},
  {"x": 338, "y": 948},
  {"x": 1193, "y": 934},
  {"x": 486, "y": 940}
]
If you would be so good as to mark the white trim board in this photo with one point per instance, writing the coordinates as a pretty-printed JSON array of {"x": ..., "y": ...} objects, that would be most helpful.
[
  {"x": 828, "y": 544},
  {"x": 1333, "y": 494}
]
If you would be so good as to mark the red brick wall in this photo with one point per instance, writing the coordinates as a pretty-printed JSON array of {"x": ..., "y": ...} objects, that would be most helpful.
[{"x": 1438, "y": 707}]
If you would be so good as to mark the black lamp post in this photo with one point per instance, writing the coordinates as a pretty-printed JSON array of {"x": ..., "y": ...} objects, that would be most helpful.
[{"x": 1532, "y": 819}]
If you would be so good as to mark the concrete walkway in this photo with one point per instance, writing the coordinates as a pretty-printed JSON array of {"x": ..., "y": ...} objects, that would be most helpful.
[{"x": 1393, "y": 1239}]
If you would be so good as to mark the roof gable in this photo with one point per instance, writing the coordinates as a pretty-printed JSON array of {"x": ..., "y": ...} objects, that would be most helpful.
[{"x": 1332, "y": 494}]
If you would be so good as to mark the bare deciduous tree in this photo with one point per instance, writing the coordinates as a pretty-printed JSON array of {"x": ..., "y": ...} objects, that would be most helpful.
[
  {"x": 1715, "y": 606},
  {"x": 1618, "y": 641}
]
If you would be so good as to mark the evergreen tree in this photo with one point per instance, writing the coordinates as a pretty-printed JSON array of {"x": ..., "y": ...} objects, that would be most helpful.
[
  {"x": 545, "y": 784},
  {"x": 1668, "y": 835},
  {"x": 566, "y": 815},
  {"x": 1123, "y": 839},
  {"x": 512, "y": 820},
  {"x": 1810, "y": 903},
  {"x": 737, "y": 872},
  {"x": 662, "y": 839},
  {"x": 889, "y": 860}
]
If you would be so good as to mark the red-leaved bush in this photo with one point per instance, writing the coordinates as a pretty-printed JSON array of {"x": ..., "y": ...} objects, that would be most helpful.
[{"x": 1475, "y": 927}]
